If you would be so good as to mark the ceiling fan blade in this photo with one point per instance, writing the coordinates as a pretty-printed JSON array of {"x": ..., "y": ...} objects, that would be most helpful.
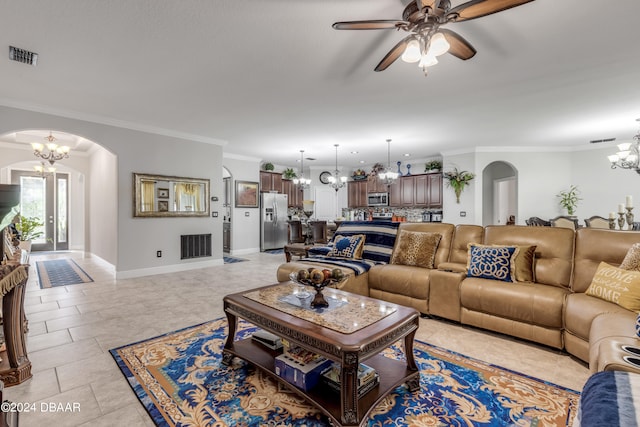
[
  {"x": 394, "y": 54},
  {"x": 378, "y": 24},
  {"x": 458, "y": 46},
  {"x": 477, "y": 8}
]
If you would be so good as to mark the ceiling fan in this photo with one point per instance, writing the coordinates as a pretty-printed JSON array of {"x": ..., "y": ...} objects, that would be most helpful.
[{"x": 423, "y": 19}]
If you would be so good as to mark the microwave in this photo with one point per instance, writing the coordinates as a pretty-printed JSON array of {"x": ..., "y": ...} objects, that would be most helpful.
[{"x": 378, "y": 199}]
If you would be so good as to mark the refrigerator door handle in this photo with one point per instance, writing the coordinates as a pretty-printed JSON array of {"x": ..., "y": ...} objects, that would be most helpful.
[{"x": 275, "y": 211}]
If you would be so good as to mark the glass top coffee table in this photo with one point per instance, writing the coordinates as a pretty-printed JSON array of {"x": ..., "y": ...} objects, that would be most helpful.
[{"x": 353, "y": 329}]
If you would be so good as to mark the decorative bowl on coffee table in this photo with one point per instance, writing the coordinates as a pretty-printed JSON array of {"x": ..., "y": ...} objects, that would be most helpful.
[{"x": 318, "y": 299}]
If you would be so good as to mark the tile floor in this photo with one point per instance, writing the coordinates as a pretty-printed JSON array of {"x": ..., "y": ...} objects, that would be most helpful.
[{"x": 72, "y": 329}]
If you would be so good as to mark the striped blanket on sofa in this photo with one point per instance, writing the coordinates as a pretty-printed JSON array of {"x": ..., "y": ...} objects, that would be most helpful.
[{"x": 380, "y": 237}]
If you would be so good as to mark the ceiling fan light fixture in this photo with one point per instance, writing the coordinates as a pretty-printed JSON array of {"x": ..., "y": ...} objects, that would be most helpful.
[
  {"x": 439, "y": 45},
  {"x": 428, "y": 60},
  {"x": 412, "y": 52}
]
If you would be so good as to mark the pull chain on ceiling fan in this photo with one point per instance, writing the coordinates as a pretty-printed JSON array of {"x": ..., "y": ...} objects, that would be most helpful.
[{"x": 423, "y": 19}]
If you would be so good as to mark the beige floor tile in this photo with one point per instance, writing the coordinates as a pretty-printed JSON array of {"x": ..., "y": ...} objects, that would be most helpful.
[
  {"x": 73, "y": 321},
  {"x": 36, "y": 328},
  {"x": 113, "y": 395},
  {"x": 52, "y": 314},
  {"x": 51, "y": 339},
  {"x": 63, "y": 354},
  {"x": 98, "y": 368},
  {"x": 48, "y": 413},
  {"x": 37, "y": 308},
  {"x": 43, "y": 384},
  {"x": 124, "y": 416}
]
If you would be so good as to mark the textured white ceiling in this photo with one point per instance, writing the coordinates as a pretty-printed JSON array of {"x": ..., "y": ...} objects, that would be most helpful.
[{"x": 271, "y": 77}]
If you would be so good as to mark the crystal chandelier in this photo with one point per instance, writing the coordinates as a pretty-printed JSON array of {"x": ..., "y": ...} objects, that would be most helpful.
[
  {"x": 628, "y": 156},
  {"x": 388, "y": 176},
  {"x": 302, "y": 181},
  {"x": 336, "y": 181},
  {"x": 55, "y": 152}
]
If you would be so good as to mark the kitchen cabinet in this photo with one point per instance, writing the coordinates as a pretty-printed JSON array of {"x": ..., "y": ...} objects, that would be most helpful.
[
  {"x": 270, "y": 182},
  {"x": 357, "y": 194},
  {"x": 376, "y": 185},
  {"x": 435, "y": 190},
  {"x": 294, "y": 193},
  {"x": 421, "y": 191}
]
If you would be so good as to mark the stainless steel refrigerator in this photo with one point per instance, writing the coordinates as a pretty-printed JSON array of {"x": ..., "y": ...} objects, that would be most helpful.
[{"x": 273, "y": 221}]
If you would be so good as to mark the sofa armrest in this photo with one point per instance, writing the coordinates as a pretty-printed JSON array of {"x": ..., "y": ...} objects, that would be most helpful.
[
  {"x": 453, "y": 266},
  {"x": 444, "y": 294}
]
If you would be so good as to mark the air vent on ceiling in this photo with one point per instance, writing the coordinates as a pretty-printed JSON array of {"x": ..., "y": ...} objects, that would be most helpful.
[
  {"x": 309, "y": 158},
  {"x": 22, "y": 55},
  {"x": 598, "y": 141}
]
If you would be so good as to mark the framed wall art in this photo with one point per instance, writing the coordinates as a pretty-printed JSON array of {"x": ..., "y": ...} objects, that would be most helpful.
[
  {"x": 163, "y": 193},
  {"x": 246, "y": 194}
]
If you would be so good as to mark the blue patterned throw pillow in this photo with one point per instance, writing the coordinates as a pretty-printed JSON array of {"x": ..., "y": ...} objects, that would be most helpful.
[
  {"x": 347, "y": 246},
  {"x": 492, "y": 262}
]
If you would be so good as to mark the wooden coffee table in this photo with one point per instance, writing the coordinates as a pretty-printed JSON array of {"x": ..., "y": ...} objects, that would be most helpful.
[{"x": 353, "y": 330}]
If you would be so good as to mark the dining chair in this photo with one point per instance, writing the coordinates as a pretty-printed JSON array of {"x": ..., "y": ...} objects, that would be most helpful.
[
  {"x": 564, "y": 221},
  {"x": 534, "y": 221},
  {"x": 597, "y": 222}
]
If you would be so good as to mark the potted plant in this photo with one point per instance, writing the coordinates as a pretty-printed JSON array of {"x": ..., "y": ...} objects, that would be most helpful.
[
  {"x": 569, "y": 199},
  {"x": 268, "y": 166},
  {"x": 458, "y": 180},
  {"x": 289, "y": 173},
  {"x": 433, "y": 166},
  {"x": 28, "y": 227}
]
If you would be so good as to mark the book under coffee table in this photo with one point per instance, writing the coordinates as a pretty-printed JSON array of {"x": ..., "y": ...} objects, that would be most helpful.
[{"x": 352, "y": 330}]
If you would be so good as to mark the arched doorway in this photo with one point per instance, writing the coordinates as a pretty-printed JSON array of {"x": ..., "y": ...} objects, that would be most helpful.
[{"x": 499, "y": 193}]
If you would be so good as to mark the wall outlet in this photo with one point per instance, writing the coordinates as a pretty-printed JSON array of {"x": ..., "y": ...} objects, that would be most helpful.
[
  {"x": 159, "y": 254},
  {"x": 463, "y": 213},
  {"x": 246, "y": 214}
]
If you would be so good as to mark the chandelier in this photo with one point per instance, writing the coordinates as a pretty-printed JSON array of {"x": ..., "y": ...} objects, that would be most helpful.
[
  {"x": 55, "y": 152},
  {"x": 43, "y": 170},
  {"x": 302, "y": 181},
  {"x": 628, "y": 156},
  {"x": 388, "y": 176},
  {"x": 336, "y": 181}
]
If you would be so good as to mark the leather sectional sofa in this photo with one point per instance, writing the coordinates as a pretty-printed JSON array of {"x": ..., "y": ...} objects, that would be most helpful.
[{"x": 552, "y": 310}]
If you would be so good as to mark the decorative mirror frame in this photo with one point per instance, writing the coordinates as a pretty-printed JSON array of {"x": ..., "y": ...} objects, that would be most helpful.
[{"x": 137, "y": 196}]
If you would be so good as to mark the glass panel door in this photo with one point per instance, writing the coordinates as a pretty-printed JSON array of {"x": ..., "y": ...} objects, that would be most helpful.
[{"x": 45, "y": 199}]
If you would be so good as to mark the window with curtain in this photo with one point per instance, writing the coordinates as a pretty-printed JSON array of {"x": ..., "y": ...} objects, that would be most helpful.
[{"x": 148, "y": 193}]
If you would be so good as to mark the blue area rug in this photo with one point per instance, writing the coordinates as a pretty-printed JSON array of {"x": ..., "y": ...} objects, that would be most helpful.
[
  {"x": 231, "y": 260},
  {"x": 60, "y": 272},
  {"x": 181, "y": 381}
]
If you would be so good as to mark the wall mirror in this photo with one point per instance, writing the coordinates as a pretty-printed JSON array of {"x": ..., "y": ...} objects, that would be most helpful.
[{"x": 168, "y": 196}]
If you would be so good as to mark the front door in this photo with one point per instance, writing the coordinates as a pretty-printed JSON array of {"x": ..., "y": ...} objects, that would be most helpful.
[{"x": 47, "y": 199}]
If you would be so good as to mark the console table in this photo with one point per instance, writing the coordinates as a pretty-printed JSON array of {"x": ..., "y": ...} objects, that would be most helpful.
[{"x": 358, "y": 330}]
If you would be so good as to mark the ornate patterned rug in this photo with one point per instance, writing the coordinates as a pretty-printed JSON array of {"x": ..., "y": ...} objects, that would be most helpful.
[
  {"x": 60, "y": 272},
  {"x": 180, "y": 380}
]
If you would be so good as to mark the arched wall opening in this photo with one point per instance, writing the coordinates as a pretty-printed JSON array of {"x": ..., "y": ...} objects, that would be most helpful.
[{"x": 499, "y": 193}]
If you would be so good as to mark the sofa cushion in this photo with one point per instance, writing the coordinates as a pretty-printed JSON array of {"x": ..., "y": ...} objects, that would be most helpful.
[
  {"x": 347, "y": 246},
  {"x": 616, "y": 285},
  {"x": 525, "y": 264},
  {"x": 530, "y": 303},
  {"x": 580, "y": 311},
  {"x": 416, "y": 248},
  {"x": 631, "y": 260},
  {"x": 491, "y": 262}
]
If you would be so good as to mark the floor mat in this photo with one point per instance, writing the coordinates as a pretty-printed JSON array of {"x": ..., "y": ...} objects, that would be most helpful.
[
  {"x": 60, "y": 272},
  {"x": 231, "y": 260}
]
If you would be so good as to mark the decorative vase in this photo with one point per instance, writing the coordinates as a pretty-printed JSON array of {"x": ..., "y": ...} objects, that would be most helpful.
[
  {"x": 399, "y": 171},
  {"x": 408, "y": 170}
]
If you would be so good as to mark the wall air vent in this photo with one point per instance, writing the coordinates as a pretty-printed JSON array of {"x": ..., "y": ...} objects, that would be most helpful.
[
  {"x": 598, "y": 141},
  {"x": 24, "y": 56}
]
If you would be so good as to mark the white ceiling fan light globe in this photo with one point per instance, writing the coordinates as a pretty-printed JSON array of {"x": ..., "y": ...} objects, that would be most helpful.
[
  {"x": 428, "y": 60},
  {"x": 439, "y": 44},
  {"x": 412, "y": 52}
]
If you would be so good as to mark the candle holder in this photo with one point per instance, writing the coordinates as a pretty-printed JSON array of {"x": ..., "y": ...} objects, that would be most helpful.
[
  {"x": 612, "y": 223},
  {"x": 621, "y": 220},
  {"x": 629, "y": 216}
]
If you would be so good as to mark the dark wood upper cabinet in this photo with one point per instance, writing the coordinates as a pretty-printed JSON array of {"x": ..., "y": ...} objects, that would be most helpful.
[
  {"x": 420, "y": 191},
  {"x": 270, "y": 181},
  {"x": 294, "y": 193},
  {"x": 357, "y": 194}
]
